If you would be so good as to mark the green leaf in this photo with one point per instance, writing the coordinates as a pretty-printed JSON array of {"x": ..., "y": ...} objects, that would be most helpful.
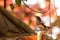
[
  {"x": 24, "y": 0},
  {"x": 18, "y": 2},
  {"x": 11, "y": 6},
  {"x": 30, "y": 21}
]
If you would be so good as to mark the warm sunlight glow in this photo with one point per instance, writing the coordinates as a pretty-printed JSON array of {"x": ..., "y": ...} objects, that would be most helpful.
[
  {"x": 13, "y": 1},
  {"x": 38, "y": 14},
  {"x": 31, "y": 2},
  {"x": 55, "y": 31},
  {"x": 57, "y": 5},
  {"x": 42, "y": 3}
]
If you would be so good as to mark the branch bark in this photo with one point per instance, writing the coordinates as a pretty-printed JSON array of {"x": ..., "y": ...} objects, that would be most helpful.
[{"x": 17, "y": 22}]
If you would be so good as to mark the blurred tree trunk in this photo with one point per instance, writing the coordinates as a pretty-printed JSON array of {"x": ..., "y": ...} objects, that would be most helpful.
[
  {"x": 25, "y": 29},
  {"x": 5, "y": 4}
]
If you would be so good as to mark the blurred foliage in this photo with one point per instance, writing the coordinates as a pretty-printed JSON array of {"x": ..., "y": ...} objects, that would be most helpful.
[
  {"x": 11, "y": 6},
  {"x": 18, "y": 2},
  {"x": 30, "y": 22}
]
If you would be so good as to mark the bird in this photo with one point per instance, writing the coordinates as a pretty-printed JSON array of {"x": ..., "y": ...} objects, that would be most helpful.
[{"x": 39, "y": 21}]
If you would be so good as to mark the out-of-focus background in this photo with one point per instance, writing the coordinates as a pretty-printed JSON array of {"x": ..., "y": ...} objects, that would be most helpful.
[{"x": 27, "y": 15}]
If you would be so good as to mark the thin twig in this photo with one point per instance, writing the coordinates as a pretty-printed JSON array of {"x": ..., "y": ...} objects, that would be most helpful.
[{"x": 35, "y": 10}]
